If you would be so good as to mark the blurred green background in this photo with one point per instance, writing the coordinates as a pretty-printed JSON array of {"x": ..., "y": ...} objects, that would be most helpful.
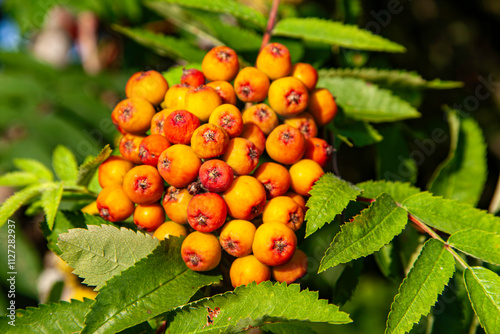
[{"x": 63, "y": 68}]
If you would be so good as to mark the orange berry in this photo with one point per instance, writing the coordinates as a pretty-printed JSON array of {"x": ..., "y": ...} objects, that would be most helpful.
[
  {"x": 129, "y": 147},
  {"x": 251, "y": 85},
  {"x": 305, "y": 123},
  {"x": 113, "y": 170},
  {"x": 274, "y": 244},
  {"x": 209, "y": 141},
  {"x": 248, "y": 269},
  {"x": 236, "y": 237},
  {"x": 292, "y": 270},
  {"x": 201, "y": 101},
  {"x": 242, "y": 155},
  {"x": 288, "y": 96},
  {"x": 192, "y": 77},
  {"x": 285, "y": 144},
  {"x": 175, "y": 98},
  {"x": 322, "y": 106},
  {"x": 245, "y": 198},
  {"x": 134, "y": 115},
  {"x": 178, "y": 165},
  {"x": 274, "y": 177},
  {"x": 150, "y": 85},
  {"x": 285, "y": 210},
  {"x": 261, "y": 115},
  {"x": 304, "y": 173},
  {"x": 151, "y": 147},
  {"x": 180, "y": 125},
  {"x": 216, "y": 175},
  {"x": 149, "y": 216},
  {"x": 113, "y": 204},
  {"x": 305, "y": 73},
  {"x": 274, "y": 60},
  {"x": 201, "y": 251},
  {"x": 225, "y": 91},
  {"x": 169, "y": 228},
  {"x": 253, "y": 133},
  {"x": 143, "y": 184},
  {"x": 299, "y": 199},
  {"x": 220, "y": 63},
  {"x": 175, "y": 204},
  {"x": 206, "y": 212},
  {"x": 158, "y": 122},
  {"x": 319, "y": 150},
  {"x": 228, "y": 117}
]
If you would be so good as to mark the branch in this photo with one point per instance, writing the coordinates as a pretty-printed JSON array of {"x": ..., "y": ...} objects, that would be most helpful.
[{"x": 270, "y": 24}]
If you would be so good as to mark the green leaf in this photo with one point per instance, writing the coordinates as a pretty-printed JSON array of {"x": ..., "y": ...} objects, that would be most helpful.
[
  {"x": 329, "y": 197},
  {"x": 87, "y": 170},
  {"x": 50, "y": 202},
  {"x": 154, "y": 285},
  {"x": 64, "y": 163},
  {"x": 101, "y": 252},
  {"x": 64, "y": 221},
  {"x": 14, "y": 202},
  {"x": 419, "y": 291},
  {"x": 62, "y": 317},
  {"x": 373, "y": 228},
  {"x": 347, "y": 282},
  {"x": 233, "y": 312},
  {"x": 450, "y": 215},
  {"x": 393, "y": 157},
  {"x": 34, "y": 167},
  {"x": 163, "y": 45},
  {"x": 480, "y": 244},
  {"x": 17, "y": 179},
  {"x": 367, "y": 102},
  {"x": 360, "y": 133},
  {"x": 389, "y": 78},
  {"x": 398, "y": 190},
  {"x": 463, "y": 174},
  {"x": 349, "y": 36},
  {"x": 222, "y": 6},
  {"x": 483, "y": 287}
]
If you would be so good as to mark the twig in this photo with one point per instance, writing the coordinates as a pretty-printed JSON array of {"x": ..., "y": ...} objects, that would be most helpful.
[
  {"x": 495, "y": 201},
  {"x": 335, "y": 166},
  {"x": 270, "y": 23}
]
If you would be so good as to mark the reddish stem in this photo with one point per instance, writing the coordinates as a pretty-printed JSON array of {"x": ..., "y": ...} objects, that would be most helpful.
[
  {"x": 270, "y": 23},
  {"x": 365, "y": 200}
]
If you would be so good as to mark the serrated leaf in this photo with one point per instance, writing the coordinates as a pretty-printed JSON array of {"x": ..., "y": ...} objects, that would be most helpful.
[
  {"x": 63, "y": 317},
  {"x": 163, "y": 45},
  {"x": 233, "y": 312},
  {"x": 87, "y": 170},
  {"x": 389, "y": 78},
  {"x": 480, "y": 244},
  {"x": 50, "y": 202},
  {"x": 398, "y": 190},
  {"x": 483, "y": 287},
  {"x": 393, "y": 157},
  {"x": 360, "y": 133},
  {"x": 367, "y": 102},
  {"x": 101, "y": 252},
  {"x": 34, "y": 167},
  {"x": 154, "y": 285},
  {"x": 222, "y": 6},
  {"x": 449, "y": 215},
  {"x": 420, "y": 289},
  {"x": 373, "y": 228},
  {"x": 463, "y": 174},
  {"x": 14, "y": 202},
  {"x": 17, "y": 179},
  {"x": 63, "y": 222},
  {"x": 329, "y": 197},
  {"x": 349, "y": 36},
  {"x": 64, "y": 163}
]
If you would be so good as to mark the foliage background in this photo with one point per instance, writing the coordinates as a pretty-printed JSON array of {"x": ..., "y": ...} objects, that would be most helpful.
[{"x": 42, "y": 106}]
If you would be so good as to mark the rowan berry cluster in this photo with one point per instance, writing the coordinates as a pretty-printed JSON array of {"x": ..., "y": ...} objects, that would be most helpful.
[{"x": 227, "y": 161}]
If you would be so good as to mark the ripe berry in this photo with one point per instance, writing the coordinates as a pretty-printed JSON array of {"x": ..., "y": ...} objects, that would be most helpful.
[
  {"x": 285, "y": 210},
  {"x": 305, "y": 73},
  {"x": 192, "y": 77},
  {"x": 134, "y": 115},
  {"x": 225, "y": 91},
  {"x": 242, "y": 155},
  {"x": 305, "y": 123},
  {"x": 149, "y": 216},
  {"x": 158, "y": 125},
  {"x": 275, "y": 178},
  {"x": 274, "y": 60},
  {"x": 150, "y": 85},
  {"x": 274, "y": 244},
  {"x": 113, "y": 170},
  {"x": 285, "y": 144},
  {"x": 209, "y": 141},
  {"x": 251, "y": 85},
  {"x": 293, "y": 270},
  {"x": 304, "y": 173},
  {"x": 288, "y": 96},
  {"x": 322, "y": 106},
  {"x": 248, "y": 269},
  {"x": 319, "y": 150},
  {"x": 143, "y": 184},
  {"x": 245, "y": 198},
  {"x": 228, "y": 117},
  {"x": 236, "y": 237},
  {"x": 253, "y": 133},
  {"x": 169, "y": 228},
  {"x": 113, "y": 204},
  {"x": 216, "y": 175},
  {"x": 175, "y": 203},
  {"x": 151, "y": 147},
  {"x": 220, "y": 63},
  {"x": 178, "y": 165},
  {"x": 262, "y": 116},
  {"x": 201, "y": 101},
  {"x": 175, "y": 98},
  {"x": 129, "y": 147},
  {"x": 206, "y": 212},
  {"x": 201, "y": 251},
  {"x": 180, "y": 125}
]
